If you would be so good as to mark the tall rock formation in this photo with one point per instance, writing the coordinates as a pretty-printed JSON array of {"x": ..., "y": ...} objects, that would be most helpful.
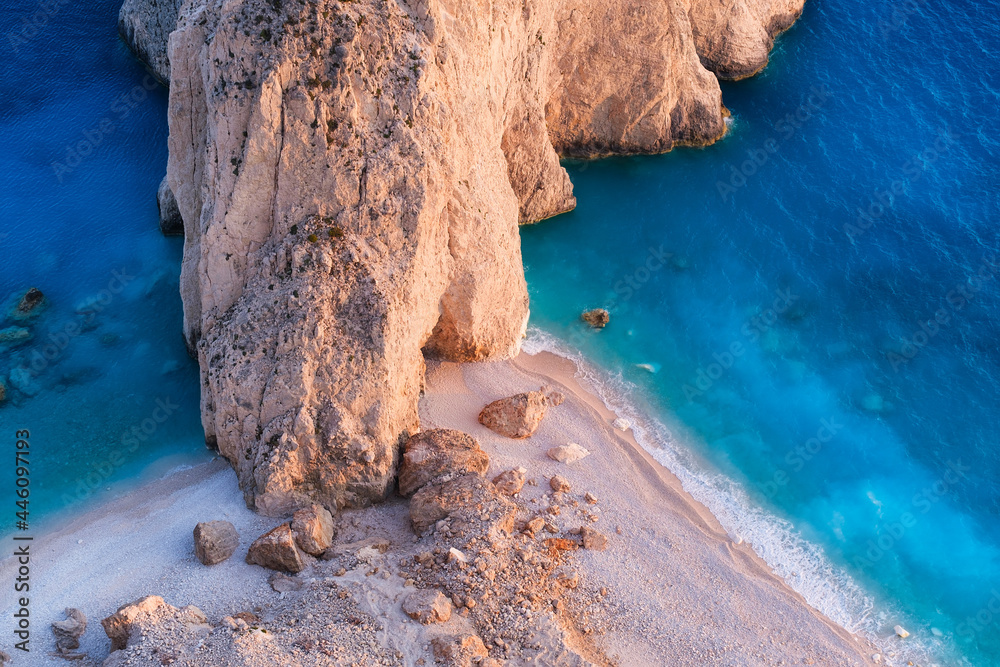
[{"x": 351, "y": 177}]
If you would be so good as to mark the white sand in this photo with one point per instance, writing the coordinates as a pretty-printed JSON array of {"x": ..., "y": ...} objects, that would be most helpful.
[{"x": 680, "y": 591}]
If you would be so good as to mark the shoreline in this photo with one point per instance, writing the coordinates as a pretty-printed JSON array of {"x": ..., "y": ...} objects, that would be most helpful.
[{"x": 672, "y": 569}]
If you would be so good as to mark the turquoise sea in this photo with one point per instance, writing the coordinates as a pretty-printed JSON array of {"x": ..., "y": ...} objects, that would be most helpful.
[
  {"x": 804, "y": 316},
  {"x": 810, "y": 309}
]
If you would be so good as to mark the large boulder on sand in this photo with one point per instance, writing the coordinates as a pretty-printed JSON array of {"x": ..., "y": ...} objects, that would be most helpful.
[
  {"x": 276, "y": 550},
  {"x": 464, "y": 501},
  {"x": 432, "y": 456},
  {"x": 215, "y": 541},
  {"x": 519, "y": 416},
  {"x": 313, "y": 529}
]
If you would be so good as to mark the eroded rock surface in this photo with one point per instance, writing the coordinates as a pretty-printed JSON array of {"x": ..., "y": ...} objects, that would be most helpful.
[
  {"x": 430, "y": 456},
  {"x": 351, "y": 177}
]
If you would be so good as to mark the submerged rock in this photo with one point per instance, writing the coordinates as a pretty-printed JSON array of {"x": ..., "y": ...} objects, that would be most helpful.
[
  {"x": 519, "y": 416},
  {"x": 171, "y": 223},
  {"x": 431, "y": 456},
  {"x": 277, "y": 550},
  {"x": 597, "y": 318},
  {"x": 28, "y": 305},
  {"x": 215, "y": 541},
  {"x": 13, "y": 336},
  {"x": 22, "y": 380}
]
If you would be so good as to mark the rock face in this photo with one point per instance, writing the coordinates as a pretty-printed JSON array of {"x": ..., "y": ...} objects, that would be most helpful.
[
  {"x": 519, "y": 416},
  {"x": 145, "y": 25},
  {"x": 313, "y": 529},
  {"x": 171, "y": 223},
  {"x": 132, "y": 621},
  {"x": 215, "y": 541},
  {"x": 433, "y": 455},
  {"x": 352, "y": 178},
  {"x": 276, "y": 550}
]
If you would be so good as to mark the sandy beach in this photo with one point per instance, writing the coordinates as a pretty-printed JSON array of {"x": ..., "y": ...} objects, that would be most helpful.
[{"x": 672, "y": 588}]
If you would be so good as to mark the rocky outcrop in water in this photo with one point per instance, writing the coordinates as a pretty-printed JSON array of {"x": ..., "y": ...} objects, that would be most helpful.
[{"x": 351, "y": 177}]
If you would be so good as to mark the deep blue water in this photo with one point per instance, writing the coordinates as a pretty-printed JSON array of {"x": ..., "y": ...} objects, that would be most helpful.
[
  {"x": 846, "y": 378},
  {"x": 82, "y": 150}
]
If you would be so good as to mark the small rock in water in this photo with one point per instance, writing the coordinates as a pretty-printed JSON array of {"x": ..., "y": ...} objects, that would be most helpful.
[
  {"x": 31, "y": 300},
  {"x": 568, "y": 454},
  {"x": 597, "y": 318},
  {"x": 622, "y": 424},
  {"x": 901, "y": 632},
  {"x": 22, "y": 380},
  {"x": 936, "y": 632}
]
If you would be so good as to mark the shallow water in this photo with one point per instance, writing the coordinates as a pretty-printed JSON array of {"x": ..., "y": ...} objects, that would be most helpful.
[
  {"x": 841, "y": 368},
  {"x": 106, "y": 386}
]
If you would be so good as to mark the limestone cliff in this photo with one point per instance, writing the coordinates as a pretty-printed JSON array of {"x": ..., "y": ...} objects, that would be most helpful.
[{"x": 351, "y": 177}]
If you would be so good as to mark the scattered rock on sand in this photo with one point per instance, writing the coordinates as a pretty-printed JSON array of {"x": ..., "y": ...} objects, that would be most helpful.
[
  {"x": 215, "y": 541},
  {"x": 466, "y": 499},
  {"x": 901, "y": 632},
  {"x": 31, "y": 300},
  {"x": 593, "y": 540},
  {"x": 427, "y": 606},
  {"x": 559, "y": 483},
  {"x": 460, "y": 649},
  {"x": 597, "y": 318},
  {"x": 313, "y": 529},
  {"x": 171, "y": 223},
  {"x": 622, "y": 424},
  {"x": 519, "y": 416},
  {"x": 510, "y": 482},
  {"x": 434, "y": 455},
  {"x": 68, "y": 632},
  {"x": 568, "y": 454},
  {"x": 276, "y": 550},
  {"x": 136, "y": 619},
  {"x": 282, "y": 583}
]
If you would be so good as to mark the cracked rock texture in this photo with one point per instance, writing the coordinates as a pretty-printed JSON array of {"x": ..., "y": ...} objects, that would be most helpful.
[{"x": 351, "y": 177}]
